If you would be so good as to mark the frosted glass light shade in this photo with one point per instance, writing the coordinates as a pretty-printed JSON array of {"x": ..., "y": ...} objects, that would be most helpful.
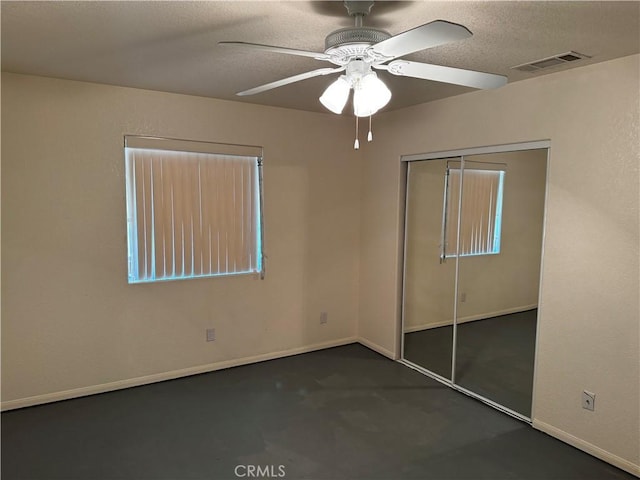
[
  {"x": 370, "y": 95},
  {"x": 336, "y": 95}
]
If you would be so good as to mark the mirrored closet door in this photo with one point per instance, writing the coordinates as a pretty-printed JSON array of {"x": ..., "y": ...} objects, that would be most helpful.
[
  {"x": 429, "y": 280},
  {"x": 473, "y": 247}
]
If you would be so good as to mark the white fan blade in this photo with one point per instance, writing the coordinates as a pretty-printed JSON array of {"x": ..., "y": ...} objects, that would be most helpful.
[
  {"x": 438, "y": 73},
  {"x": 425, "y": 36},
  {"x": 288, "y": 80},
  {"x": 269, "y": 48}
]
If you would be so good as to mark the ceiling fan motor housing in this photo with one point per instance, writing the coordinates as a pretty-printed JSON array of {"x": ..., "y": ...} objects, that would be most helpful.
[
  {"x": 347, "y": 44},
  {"x": 345, "y": 36}
]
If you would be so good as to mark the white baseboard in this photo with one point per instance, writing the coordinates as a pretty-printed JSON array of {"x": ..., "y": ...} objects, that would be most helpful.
[
  {"x": 591, "y": 449},
  {"x": 159, "y": 377},
  {"x": 427, "y": 326},
  {"x": 377, "y": 348},
  {"x": 470, "y": 318}
]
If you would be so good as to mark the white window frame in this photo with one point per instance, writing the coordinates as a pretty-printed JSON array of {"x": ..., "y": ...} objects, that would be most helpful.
[
  {"x": 243, "y": 199},
  {"x": 483, "y": 245}
]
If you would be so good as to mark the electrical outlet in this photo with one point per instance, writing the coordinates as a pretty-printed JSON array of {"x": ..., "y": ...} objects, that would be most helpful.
[
  {"x": 211, "y": 334},
  {"x": 463, "y": 297},
  {"x": 589, "y": 400},
  {"x": 323, "y": 318}
]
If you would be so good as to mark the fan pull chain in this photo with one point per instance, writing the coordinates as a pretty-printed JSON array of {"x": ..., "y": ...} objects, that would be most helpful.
[
  {"x": 356, "y": 144},
  {"x": 369, "y": 135}
]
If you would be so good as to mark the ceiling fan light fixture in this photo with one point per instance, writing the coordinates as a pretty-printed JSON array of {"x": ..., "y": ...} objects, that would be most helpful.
[
  {"x": 336, "y": 95},
  {"x": 370, "y": 95}
]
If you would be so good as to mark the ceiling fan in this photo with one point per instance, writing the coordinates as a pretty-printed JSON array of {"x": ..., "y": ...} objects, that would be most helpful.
[{"x": 359, "y": 50}]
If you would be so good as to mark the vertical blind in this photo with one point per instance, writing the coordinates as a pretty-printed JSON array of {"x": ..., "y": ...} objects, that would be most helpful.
[
  {"x": 192, "y": 214},
  {"x": 480, "y": 211}
]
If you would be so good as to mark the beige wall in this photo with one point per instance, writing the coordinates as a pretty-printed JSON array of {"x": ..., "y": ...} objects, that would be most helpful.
[
  {"x": 491, "y": 284},
  {"x": 70, "y": 320},
  {"x": 589, "y": 309}
]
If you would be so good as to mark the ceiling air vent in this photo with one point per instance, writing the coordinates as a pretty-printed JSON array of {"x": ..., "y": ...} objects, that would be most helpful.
[{"x": 549, "y": 62}]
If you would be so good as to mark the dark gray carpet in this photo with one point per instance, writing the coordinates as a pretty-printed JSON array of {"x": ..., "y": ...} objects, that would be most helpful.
[
  {"x": 342, "y": 413},
  {"x": 431, "y": 349},
  {"x": 494, "y": 357}
]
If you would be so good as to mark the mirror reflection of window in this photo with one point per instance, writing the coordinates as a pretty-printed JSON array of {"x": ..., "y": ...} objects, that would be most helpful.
[{"x": 480, "y": 212}]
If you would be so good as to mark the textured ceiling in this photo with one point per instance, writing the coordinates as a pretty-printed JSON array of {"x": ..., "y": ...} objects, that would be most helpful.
[{"x": 172, "y": 46}]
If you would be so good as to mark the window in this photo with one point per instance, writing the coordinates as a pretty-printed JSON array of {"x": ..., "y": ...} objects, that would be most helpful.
[
  {"x": 480, "y": 211},
  {"x": 193, "y": 209}
]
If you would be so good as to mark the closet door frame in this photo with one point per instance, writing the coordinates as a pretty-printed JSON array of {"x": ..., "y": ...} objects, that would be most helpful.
[{"x": 461, "y": 153}]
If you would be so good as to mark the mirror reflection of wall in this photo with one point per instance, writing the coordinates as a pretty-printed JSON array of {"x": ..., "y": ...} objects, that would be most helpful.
[
  {"x": 429, "y": 292},
  {"x": 501, "y": 215}
]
